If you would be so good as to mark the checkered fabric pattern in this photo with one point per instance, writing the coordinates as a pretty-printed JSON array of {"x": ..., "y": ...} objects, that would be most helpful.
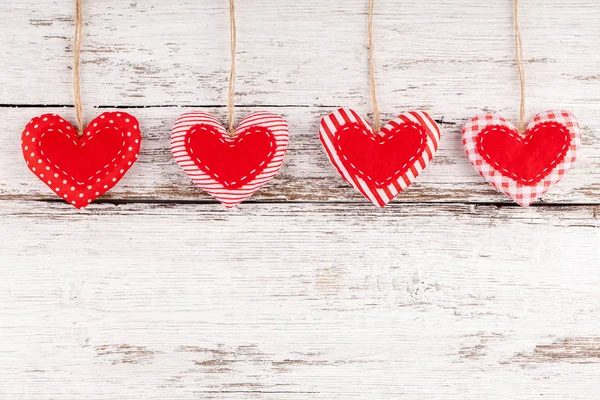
[{"x": 524, "y": 195}]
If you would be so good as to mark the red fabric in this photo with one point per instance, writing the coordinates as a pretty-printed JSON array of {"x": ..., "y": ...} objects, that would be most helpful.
[
  {"x": 510, "y": 159},
  {"x": 230, "y": 169},
  {"x": 528, "y": 159},
  {"x": 233, "y": 162},
  {"x": 381, "y": 164},
  {"x": 380, "y": 160},
  {"x": 80, "y": 169}
]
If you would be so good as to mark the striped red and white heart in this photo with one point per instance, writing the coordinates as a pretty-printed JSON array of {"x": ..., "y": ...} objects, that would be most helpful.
[
  {"x": 79, "y": 169},
  {"x": 230, "y": 168},
  {"x": 524, "y": 167},
  {"x": 379, "y": 165}
]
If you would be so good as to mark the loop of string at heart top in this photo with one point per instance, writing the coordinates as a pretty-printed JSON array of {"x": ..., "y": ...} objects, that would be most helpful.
[
  {"x": 520, "y": 66},
  {"x": 76, "y": 64}
]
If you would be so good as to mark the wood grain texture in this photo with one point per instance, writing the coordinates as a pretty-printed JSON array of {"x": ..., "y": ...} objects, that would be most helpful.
[
  {"x": 306, "y": 174},
  {"x": 307, "y": 291},
  {"x": 449, "y": 57},
  {"x": 308, "y": 60},
  {"x": 252, "y": 304}
]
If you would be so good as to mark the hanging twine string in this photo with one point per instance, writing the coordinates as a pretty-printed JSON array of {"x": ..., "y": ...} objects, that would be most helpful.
[
  {"x": 520, "y": 66},
  {"x": 376, "y": 114},
  {"x": 232, "y": 42},
  {"x": 76, "y": 65}
]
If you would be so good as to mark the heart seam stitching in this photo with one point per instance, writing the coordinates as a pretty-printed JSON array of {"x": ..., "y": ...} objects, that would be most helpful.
[
  {"x": 542, "y": 174},
  {"x": 207, "y": 168},
  {"x": 75, "y": 143},
  {"x": 229, "y": 196},
  {"x": 39, "y": 160},
  {"x": 522, "y": 194},
  {"x": 373, "y": 137}
]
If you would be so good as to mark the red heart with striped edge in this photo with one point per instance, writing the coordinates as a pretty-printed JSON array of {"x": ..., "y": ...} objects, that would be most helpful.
[
  {"x": 524, "y": 167},
  {"x": 77, "y": 168},
  {"x": 379, "y": 165},
  {"x": 229, "y": 168}
]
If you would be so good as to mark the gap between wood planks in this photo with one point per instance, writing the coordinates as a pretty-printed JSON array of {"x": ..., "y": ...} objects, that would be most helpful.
[{"x": 119, "y": 202}]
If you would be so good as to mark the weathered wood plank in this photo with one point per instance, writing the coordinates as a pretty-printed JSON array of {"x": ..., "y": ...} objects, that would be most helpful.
[
  {"x": 306, "y": 175},
  {"x": 451, "y": 59},
  {"x": 311, "y": 299},
  {"x": 299, "y": 301},
  {"x": 460, "y": 68}
]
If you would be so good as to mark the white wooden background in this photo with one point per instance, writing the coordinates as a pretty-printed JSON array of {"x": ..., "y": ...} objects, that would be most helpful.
[{"x": 307, "y": 291}]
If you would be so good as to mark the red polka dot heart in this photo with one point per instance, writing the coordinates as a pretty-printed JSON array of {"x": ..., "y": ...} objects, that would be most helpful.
[{"x": 79, "y": 169}]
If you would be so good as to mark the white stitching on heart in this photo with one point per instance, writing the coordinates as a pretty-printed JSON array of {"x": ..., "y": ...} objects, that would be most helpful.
[
  {"x": 515, "y": 135},
  {"x": 82, "y": 145},
  {"x": 60, "y": 170},
  {"x": 231, "y": 144},
  {"x": 373, "y": 136}
]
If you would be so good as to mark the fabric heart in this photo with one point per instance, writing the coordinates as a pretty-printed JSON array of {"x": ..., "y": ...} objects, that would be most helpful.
[
  {"x": 523, "y": 166},
  {"x": 80, "y": 169},
  {"x": 229, "y": 168},
  {"x": 379, "y": 165}
]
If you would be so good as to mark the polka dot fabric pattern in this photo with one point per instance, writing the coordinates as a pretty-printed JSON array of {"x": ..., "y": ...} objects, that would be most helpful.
[
  {"x": 81, "y": 169},
  {"x": 523, "y": 167},
  {"x": 229, "y": 168},
  {"x": 379, "y": 165}
]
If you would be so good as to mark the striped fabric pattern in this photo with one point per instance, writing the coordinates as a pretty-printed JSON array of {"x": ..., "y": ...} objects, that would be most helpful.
[
  {"x": 275, "y": 124},
  {"x": 334, "y": 123},
  {"x": 522, "y": 194}
]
